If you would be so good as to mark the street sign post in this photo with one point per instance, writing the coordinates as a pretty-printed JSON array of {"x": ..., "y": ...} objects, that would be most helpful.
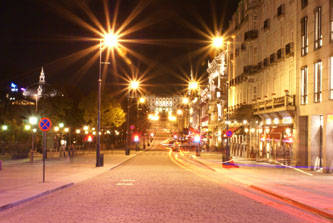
[{"x": 45, "y": 125}]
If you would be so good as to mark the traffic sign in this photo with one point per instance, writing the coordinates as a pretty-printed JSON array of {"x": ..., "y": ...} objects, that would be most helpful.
[
  {"x": 45, "y": 124},
  {"x": 229, "y": 133}
]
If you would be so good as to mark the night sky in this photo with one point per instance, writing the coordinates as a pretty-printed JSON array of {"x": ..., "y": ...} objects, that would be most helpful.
[{"x": 35, "y": 34}]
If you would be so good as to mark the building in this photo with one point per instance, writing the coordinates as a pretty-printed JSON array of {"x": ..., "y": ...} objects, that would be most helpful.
[
  {"x": 216, "y": 98},
  {"x": 314, "y": 53},
  {"x": 279, "y": 67}
]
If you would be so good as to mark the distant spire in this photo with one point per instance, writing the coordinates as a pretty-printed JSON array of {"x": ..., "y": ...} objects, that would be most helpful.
[{"x": 42, "y": 76}]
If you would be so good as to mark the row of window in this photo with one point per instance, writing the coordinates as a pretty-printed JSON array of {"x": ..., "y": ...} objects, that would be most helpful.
[
  {"x": 318, "y": 73},
  {"x": 318, "y": 36}
]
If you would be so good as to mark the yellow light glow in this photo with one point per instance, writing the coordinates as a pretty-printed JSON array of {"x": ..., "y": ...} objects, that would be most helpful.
[
  {"x": 27, "y": 127},
  {"x": 78, "y": 131},
  {"x": 179, "y": 112},
  {"x": 56, "y": 129},
  {"x": 185, "y": 101},
  {"x": 85, "y": 128},
  {"x": 33, "y": 120},
  {"x": 134, "y": 84},
  {"x": 142, "y": 100},
  {"x": 110, "y": 40},
  {"x": 66, "y": 129},
  {"x": 217, "y": 42},
  {"x": 193, "y": 85}
]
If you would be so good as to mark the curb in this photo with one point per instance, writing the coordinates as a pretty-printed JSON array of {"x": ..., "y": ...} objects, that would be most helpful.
[
  {"x": 117, "y": 165},
  {"x": 16, "y": 203},
  {"x": 295, "y": 203},
  {"x": 203, "y": 164}
]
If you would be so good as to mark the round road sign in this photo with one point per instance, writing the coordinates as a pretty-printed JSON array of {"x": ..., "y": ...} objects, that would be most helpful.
[
  {"x": 229, "y": 133},
  {"x": 45, "y": 124}
]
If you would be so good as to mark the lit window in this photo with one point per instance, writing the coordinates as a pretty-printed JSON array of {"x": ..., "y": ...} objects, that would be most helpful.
[
  {"x": 317, "y": 81},
  {"x": 304, "y": 35},
  {"x": 318, "y": 38},
  {"x": 304, "y": 85}
]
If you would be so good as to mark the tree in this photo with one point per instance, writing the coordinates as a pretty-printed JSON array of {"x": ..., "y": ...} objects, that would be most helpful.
[{"x": 112, "y": 115}]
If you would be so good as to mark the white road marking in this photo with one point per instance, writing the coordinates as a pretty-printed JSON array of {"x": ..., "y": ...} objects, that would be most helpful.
[
  {"x": 124, "y": 184},
  {"x": 128, "y": 180}
]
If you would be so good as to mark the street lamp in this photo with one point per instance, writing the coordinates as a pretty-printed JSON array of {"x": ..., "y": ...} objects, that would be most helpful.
[
  {"x": 110, "y": 40},
  {"x": 218, "y": 43},
  {"x": 194, "y": 87},
  {"x": 133, "y": 86},
  {"x": 33, "y": 121}
]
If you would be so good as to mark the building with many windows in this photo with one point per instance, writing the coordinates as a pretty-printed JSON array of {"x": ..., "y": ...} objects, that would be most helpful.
[
  {"x": 314, "y": 53},
  {"x": 279, "y": 68}
]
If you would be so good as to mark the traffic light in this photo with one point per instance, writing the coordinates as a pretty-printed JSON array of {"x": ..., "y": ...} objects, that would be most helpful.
[{"x": 136, "y": 138}]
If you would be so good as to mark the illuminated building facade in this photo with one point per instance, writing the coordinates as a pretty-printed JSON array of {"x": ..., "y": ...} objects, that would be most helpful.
[{"x": 280, "y": 81}]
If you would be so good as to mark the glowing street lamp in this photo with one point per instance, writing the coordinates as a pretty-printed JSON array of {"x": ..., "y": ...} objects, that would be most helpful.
[
  {"x": 185, "y": 101},
  {"x": 4, "y": 127},
  {"x": 61, "y": 125},
  {"x": 142, "y": 100},
  {"x": 179, "y": 112},
  {"x": 78, "y": 131},
  {"x": 33, "y": 120},
  {"x": 134, "y": 85},
  {"x": 27, "y": 127},
  {"x": 109, "y": 40},
  {"x": 193, "y": 85},
  {"x": 56, "y": 128},
  {"x": 217, "y": 42}
]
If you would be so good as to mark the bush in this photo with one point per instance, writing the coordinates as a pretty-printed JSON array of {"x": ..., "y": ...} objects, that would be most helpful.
[{"x": 18, "y": 150}]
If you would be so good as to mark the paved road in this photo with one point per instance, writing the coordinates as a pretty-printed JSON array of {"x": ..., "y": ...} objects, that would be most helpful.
[{"x": 152, "y": 188}]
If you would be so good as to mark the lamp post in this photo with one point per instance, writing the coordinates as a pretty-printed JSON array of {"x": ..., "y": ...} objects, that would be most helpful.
[
  {"x": 132, "y": 88},
  {"x": 32, "y": 121},
  {"x": 109, "y": 40},
  {"x": 218, "y": 43},
  {"x": 194, "y": 87}
]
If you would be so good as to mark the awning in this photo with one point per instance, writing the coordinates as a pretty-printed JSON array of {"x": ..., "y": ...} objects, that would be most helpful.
[{"x": 276, "y": 133}]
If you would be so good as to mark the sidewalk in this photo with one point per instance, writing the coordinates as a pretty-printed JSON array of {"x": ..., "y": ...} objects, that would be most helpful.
[
  {"x": 21, "y": 181},
  {"x": 307, "y": 189}
]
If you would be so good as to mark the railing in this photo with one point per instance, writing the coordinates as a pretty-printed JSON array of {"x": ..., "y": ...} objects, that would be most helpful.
[{"x": 284, "y": 101}]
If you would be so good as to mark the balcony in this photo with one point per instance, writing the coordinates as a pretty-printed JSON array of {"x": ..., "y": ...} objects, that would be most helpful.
[{"x": 284, "y": 103}]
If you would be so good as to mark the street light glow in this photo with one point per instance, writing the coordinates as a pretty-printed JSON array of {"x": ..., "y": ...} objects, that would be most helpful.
[
  {"x": 33, "y": 120},
  {"x": 134, "y": 85},
  {"x": 61, "y": 125},
  {"x": 179, "y": 112},
  {"x": 56, "y": 128},
  {"x": 4, "y": 128},
  {"x": 193, "y": 85},
  {"x": 142, "y": 100},
  {"x": 27, "y": 127},
  {"x": 111, "y": 40},
  {"x": 217, "y": 42},
  {"x": 185, "y": 101}
]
